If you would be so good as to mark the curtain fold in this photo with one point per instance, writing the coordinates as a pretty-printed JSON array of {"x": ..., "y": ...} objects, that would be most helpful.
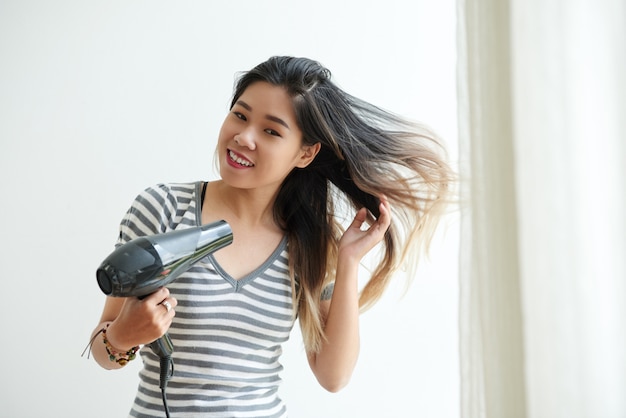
[
  {"x": 542, "y": 120},
  {"x": 491, "y": 327}
]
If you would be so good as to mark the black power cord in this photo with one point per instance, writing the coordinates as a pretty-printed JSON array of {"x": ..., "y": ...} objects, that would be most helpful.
[
  {"x": 167, "y": 370},
  {"x": 164, "y": 348}
]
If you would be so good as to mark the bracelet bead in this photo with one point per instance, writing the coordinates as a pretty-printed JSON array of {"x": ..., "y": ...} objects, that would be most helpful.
[{"x": 122, "y": 358}]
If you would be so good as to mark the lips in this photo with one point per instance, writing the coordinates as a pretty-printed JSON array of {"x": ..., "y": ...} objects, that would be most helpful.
[{"x": 238, "y": 159}]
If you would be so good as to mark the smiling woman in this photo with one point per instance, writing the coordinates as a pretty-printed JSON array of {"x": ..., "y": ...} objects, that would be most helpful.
[
  {"x": 261, "y": 136},
  {"x": 103, "y": 100},
  {"x": 293, "y": 164}
]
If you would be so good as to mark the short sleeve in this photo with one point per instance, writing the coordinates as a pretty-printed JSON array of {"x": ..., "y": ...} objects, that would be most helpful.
[{"x": 148, "y": 214}]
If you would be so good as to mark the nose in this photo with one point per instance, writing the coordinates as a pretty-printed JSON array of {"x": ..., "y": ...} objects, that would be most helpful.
[{"x": 245, "y": 139}]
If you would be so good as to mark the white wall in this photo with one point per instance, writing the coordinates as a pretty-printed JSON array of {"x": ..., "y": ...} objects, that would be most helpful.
[{"x": 99, "y": 99}]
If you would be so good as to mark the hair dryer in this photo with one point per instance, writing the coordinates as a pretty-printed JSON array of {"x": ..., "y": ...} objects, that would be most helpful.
[{"x": 143, "y": 265}]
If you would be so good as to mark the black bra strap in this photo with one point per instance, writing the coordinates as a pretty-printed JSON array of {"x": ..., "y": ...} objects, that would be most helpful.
[{"x": 203, "y": 194}]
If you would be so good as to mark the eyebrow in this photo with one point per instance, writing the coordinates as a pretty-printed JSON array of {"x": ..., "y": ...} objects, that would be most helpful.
[{"x": 268, "y": 117}]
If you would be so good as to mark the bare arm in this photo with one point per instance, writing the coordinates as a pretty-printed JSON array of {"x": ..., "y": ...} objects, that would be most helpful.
[
  {"x": 131, "y": 322},
  {"x": 334, "y": 363}
]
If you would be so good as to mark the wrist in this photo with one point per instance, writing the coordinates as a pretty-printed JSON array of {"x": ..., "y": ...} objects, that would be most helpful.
[
  {"x": 118, "y": 355},
  {"x": 348, "y": 267},
  {"x": 114, "y": 338},
  {"x": 349, "y": 260}
]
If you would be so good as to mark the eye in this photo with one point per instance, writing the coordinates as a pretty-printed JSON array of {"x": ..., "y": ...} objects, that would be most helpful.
[
  {"x": 272, "y": 132},
  {"x": 239, "y": 115}
]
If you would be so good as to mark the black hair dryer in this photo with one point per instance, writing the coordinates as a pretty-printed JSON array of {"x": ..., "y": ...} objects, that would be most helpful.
[{"x": 143, "y": 265}]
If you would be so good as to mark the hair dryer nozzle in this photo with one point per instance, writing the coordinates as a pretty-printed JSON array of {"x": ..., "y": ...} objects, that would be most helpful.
[{"x": 142, "y": 265}]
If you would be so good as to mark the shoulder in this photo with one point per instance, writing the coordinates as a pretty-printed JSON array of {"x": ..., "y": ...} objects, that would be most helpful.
[
  {"x": 173, "y": 192},
  {"x": 169, "y": 196},
  {"x": 160, "y": 208}
]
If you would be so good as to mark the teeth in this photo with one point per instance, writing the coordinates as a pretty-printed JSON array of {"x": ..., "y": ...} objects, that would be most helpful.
[{"x": 238, "y": 160}]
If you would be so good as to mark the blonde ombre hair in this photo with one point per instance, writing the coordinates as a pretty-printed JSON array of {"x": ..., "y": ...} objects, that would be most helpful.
[{"x": 366, "y": 152}]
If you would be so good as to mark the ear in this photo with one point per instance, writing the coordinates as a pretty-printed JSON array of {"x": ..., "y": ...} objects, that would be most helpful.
[{"x": 308, "y": 154}]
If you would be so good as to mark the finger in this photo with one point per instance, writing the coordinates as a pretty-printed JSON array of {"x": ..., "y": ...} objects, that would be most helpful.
[
  {"x": 158, "y": 295},
  {"x": 172, "y": 301},
  {"x": 384, "y": 219},
  {"x": 359, "y": 218},
  {"x": 167, "y": 305}
]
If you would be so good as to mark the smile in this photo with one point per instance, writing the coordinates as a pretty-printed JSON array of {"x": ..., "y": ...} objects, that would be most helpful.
[{"x": 234, "y": 157}]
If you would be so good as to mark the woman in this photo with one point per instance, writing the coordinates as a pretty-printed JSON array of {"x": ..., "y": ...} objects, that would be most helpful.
[{"x": 293, "y": 151}]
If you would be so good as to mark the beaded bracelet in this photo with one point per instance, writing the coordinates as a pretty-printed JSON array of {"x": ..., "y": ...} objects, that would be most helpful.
[{"x": 122, "y": 358}]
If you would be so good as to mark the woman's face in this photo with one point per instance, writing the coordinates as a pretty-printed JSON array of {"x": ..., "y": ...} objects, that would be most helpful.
[{"x": 260, "y": 142}]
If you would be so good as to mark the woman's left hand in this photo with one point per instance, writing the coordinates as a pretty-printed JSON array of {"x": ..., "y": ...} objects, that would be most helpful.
[
  {"x": 355, "y": 242},
  {"x": 334, "y": 363}
]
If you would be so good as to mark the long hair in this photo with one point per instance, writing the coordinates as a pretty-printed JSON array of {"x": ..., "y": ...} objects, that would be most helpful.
[{"x": 365, "y": 152}]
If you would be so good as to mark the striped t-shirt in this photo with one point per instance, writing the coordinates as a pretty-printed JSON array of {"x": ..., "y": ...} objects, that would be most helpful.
[{"x": 227, "y": 333}]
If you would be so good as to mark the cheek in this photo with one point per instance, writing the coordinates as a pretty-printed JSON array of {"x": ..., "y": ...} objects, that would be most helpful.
[
  {"x": 221, "y": 135},
  {"x": 224, "y": 136},
  {"x": 226, "y": 129}
]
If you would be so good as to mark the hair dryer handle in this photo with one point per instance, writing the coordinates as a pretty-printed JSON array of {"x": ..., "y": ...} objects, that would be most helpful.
[{"x": 162, "y": 347}]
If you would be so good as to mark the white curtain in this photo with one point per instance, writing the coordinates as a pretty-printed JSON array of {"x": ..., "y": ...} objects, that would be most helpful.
[{"x": 542, "y": 117}]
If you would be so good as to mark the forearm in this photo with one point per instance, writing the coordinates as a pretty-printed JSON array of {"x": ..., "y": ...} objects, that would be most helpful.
[{"x": 334, "y": 363}]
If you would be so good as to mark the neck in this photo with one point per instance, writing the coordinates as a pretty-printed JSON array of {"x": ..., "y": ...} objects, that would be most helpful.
[{"x": 250, "y": 206}]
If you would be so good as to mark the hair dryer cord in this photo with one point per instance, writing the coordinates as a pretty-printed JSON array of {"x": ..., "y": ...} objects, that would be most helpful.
[{"x": 167, "y": 370}]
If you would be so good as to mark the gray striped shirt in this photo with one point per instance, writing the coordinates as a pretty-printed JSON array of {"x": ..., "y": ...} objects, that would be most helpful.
[{"x": 227, "y": 333}]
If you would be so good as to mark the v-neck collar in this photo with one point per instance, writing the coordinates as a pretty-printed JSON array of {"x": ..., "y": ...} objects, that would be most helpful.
[{"x": 236, "y": 284}]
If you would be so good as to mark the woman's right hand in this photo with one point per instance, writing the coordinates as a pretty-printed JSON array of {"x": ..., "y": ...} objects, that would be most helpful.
[{"x": 142, "y": 321}]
